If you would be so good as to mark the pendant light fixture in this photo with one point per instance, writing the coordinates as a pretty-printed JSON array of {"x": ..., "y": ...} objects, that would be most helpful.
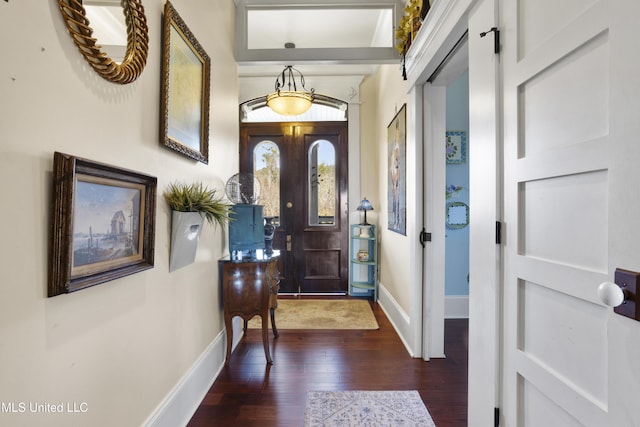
[{"x": 287, "y": 100}]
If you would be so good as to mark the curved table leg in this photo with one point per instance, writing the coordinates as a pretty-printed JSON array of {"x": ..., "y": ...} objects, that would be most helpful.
[
  {"x": 265, "y": 338},
  {"x": 273, "y": 323}
]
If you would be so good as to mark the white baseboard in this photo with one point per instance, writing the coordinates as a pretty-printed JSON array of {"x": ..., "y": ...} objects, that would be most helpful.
[
  {"x": 183, "y": 400},
  {"x": 396, "y": 315},
  {"x": 456, "y": 307}
]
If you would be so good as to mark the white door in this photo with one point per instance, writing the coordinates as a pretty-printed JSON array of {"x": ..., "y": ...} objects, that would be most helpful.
[{"x": 572, "y": 211}]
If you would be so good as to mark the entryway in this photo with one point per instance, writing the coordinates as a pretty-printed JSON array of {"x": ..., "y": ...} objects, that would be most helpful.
[{"x": 303, "y": 170}]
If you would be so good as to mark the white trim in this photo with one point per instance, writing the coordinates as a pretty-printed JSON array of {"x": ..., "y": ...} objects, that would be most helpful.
[
  {"x": 433, "y": 203},
  {"x": 485, "y": 260},
  {"x": 444, "y": 25},
  {"x": 354, "y": 195},
  {"x": 183, "y": 400},
  {"x": 399, "y": 320},
  {"x": 415, "y": 222},
  {"x": 456, "y": 307},
  {"x": 397, "y": 316}
]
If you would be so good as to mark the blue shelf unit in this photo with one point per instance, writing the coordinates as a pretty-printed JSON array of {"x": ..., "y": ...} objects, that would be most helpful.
[{"x": 363, "y": 262}]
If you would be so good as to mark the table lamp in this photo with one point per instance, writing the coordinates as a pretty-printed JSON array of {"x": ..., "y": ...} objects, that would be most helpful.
[{"x": 365, "y": 205}]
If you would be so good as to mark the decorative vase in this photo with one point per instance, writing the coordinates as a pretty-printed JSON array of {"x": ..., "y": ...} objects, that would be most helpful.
[
  {"x": 269, "y": 231},
  {"x": 363, "y": 255},
  {"x": 185, "y": 234}
]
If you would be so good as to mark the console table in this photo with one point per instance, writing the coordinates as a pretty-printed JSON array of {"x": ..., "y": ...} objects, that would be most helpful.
[{"x": 250, "y": 288}]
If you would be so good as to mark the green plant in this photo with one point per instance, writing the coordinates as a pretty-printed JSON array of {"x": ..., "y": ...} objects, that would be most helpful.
[{"x": 197, "y": 197}]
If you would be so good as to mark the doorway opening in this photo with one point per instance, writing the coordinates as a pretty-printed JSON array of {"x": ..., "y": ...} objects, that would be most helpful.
[
  {"x": 303, "y": 168},
  {"x": 456, "y": 285},
  {"x": 446, "y": 197}
]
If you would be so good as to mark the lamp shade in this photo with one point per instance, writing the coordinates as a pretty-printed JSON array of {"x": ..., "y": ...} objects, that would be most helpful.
[
  {"x": 365, "y": 205},
  {"x": 288, "y": 103}
]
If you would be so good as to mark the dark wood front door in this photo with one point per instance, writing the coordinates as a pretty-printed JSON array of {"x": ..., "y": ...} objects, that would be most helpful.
[{"x": 302, "y": 168}]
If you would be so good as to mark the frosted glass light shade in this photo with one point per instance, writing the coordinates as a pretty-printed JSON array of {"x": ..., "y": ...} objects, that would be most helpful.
[{"x": 289, "y": 103}]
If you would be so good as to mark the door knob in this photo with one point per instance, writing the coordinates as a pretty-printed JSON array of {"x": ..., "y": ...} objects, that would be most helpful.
[
  {"x": 610, "y": 294},
  {"x": 622, "y": 295}
]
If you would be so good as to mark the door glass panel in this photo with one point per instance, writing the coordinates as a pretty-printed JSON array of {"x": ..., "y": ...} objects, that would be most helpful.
[
  {"x": 266, "y": 167},
  {"x": 322, "y": 183}
]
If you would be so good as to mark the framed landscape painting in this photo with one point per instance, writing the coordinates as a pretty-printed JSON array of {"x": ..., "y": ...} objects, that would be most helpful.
[{"x": 102, "y": 223}]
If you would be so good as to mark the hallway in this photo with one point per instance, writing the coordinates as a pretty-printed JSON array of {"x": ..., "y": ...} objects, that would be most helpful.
[{"x": 250, "y": 393}]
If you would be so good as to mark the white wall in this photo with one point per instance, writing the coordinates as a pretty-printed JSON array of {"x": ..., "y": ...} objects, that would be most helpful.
[
  {"x": 122, "y": 346},
  {"x": 382, "y": 96}
]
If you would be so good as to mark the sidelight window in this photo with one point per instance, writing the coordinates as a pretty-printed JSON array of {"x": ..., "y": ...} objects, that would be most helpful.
[
  {"x": 322, "y": 183},
  {"x": 266, "y": 167}
]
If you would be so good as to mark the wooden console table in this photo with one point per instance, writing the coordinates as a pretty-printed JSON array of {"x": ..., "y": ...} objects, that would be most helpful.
[{"x": 250, "y": 288}]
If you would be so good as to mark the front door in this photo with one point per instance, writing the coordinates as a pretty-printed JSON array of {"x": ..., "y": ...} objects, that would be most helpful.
[
  {"x": 302, "y": 168},
  {"x": 571, "y": 211}
]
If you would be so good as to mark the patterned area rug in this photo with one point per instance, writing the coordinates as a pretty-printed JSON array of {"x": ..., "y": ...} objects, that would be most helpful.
[
  {"x": 321, "y": 314},
  {"x": 366, "y": 409}
]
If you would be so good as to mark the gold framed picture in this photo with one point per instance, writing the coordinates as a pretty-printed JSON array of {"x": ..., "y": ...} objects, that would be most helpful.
[{"x": 185, "y": 89}]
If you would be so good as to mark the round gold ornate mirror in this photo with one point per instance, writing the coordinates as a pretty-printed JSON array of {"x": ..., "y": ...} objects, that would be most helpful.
[{"x": 75, "y": 17}]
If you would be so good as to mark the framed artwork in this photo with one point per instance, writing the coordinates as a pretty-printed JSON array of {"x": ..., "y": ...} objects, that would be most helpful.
[
  {"x": 457, "y": 215},
  {"x": 456, "y": 147},
  {"x": 185, "y": 89},
  {"x": 397, "y": 180},
  {"x": 102, "y": 223}
]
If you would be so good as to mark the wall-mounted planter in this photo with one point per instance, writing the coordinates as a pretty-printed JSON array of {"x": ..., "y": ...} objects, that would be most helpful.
[{"x": 185, "y": 233}]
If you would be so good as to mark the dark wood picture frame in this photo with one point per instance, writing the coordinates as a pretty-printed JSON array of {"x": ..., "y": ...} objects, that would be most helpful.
[
  {"x": 102, "y": 223},
  {"x": 186, "y": 74},
  {"x": 397, "y": 176}
]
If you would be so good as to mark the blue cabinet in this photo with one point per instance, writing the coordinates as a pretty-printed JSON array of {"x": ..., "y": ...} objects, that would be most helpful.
[
  {"x": 246, "y": 228},
  {"x": 363, "y": 265}
]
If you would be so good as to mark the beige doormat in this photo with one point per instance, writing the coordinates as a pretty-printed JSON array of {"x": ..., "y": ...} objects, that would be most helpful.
[
  {"x": 366, "y": 408},
  {"x": 321, "y": 314}
]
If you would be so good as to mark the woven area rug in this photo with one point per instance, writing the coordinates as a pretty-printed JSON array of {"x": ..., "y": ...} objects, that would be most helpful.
[
  {"x": 321, "y": 314},
  {"x": 366, "y": 409}
]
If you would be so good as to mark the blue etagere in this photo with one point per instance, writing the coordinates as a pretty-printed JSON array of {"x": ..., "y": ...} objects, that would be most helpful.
[{"x": 363, "y": 265}]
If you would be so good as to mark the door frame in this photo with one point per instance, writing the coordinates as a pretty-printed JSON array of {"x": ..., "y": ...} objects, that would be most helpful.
[{"x": 444, "y": 27}]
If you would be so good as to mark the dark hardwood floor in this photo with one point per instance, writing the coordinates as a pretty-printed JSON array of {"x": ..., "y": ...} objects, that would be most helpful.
[{"x": 248, "y": 392}]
